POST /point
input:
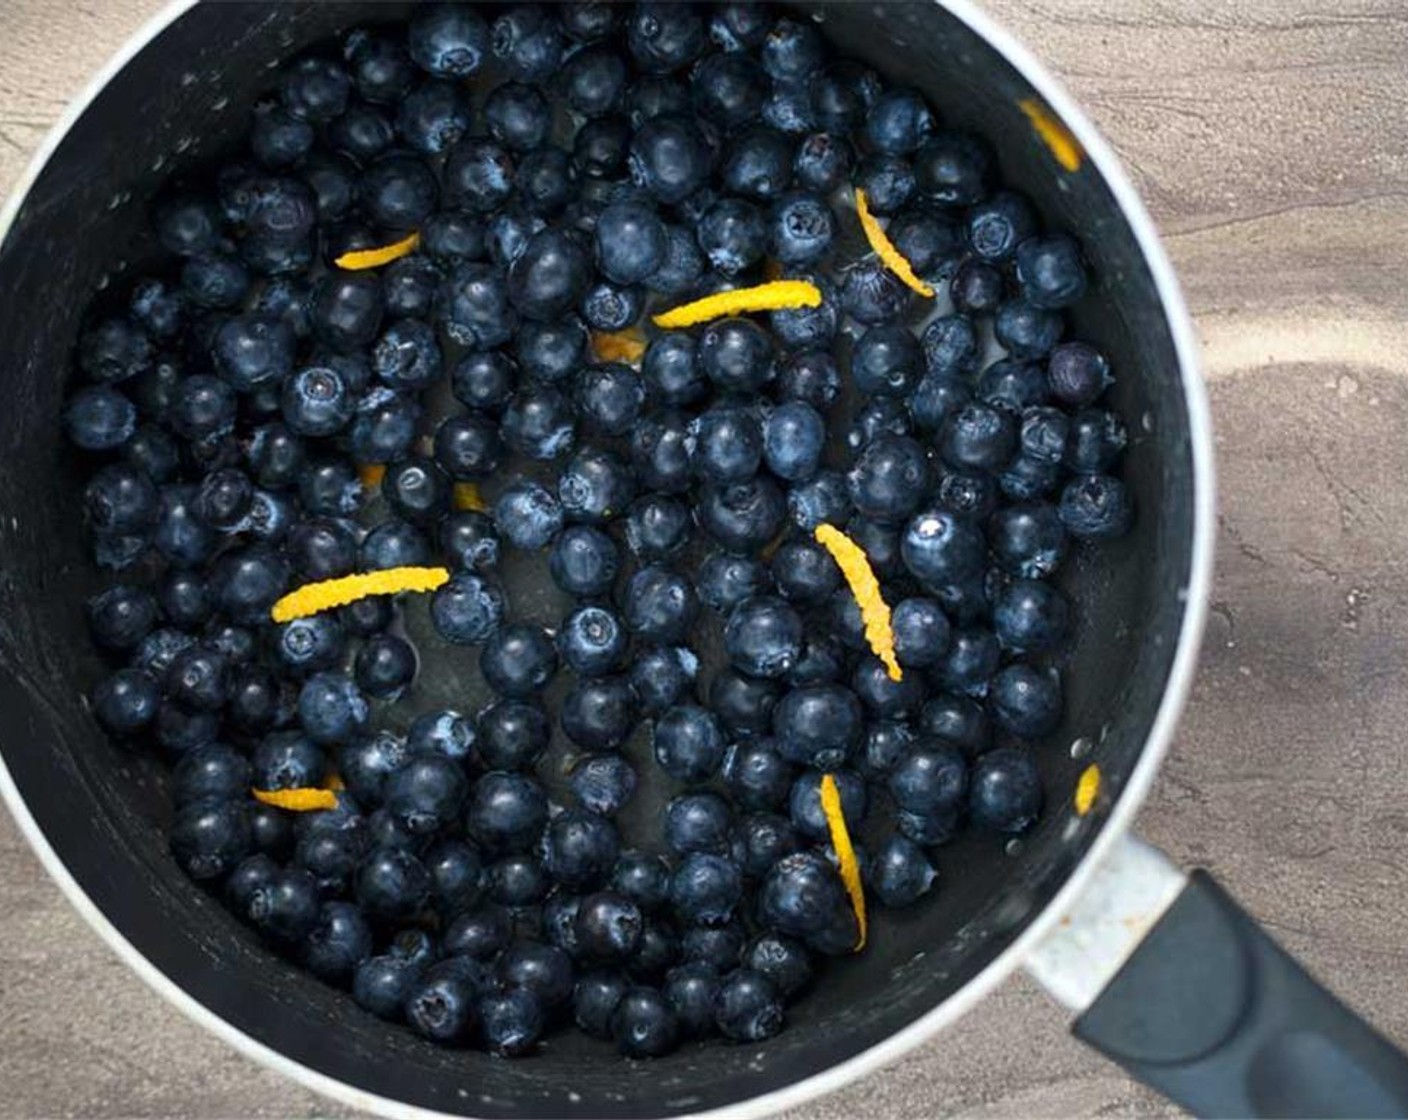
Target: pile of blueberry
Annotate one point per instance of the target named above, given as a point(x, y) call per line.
point(571, 170)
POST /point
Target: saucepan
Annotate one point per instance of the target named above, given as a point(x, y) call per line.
point(1159, 969)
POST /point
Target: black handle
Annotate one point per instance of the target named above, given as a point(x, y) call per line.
point(1216, 1016)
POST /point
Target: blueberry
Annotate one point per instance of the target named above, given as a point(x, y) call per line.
point(663, 677)
point(921, 632)
point(426, 793)
point(158, 308)
point(442, 1005)
point(409, 286)
point(394, 544)
point(600, 146)
point(938, 548)
point(870, 293)
point(978, 435)
point(306, 645)
point(888, 182)
point(727, 443)
point(689, 743)
point(512, 734)
point(518, 881)
point(608, 927)
point(729, 89)
point(931, 243)
point(644, 1024)
point(392, 883)
point(890, 479)
point(368, 616)
point(881, 694)
point(474, 306)
point(433, 117)
point(758, 165)
point(285, 908)
point(900, 873)
point(398, 192)
point(877, 417)
point(187, 226)
point(757, 776)
point(743, 704)
point(595, 998)
point(153, 451)
point(332, 179)
point(528, 515)
point(630, 242)
point(818, 725)
point(600, 713)
point(669, 158)
point(898, 122)
point(823, 162)
point(954, 169)
point(381, 984)
point(885, 744)
point(1026, 701)
point(763, 637)
point(518, 116)
point(932, 778)
point(211, 772)
point(121, 616)
point(705, 888)
point(733, 234)
point(467, 446)
point(698, 822)
point(210, 837)
point(385, 666)
point(1078, 373)
point(593, 641)
point(379, 67)
point(1027, 478)
point(365, 763)
point(691, 989)
point(747, 1007)
point(804, 802)
point(643, 879)
point(480, 934)
point(511, 1023)
point(842, 93)
point(610, 307)
point(970, 660)
point(1030, 616)
point(659, 949)
point(203, 408)
point(315, 89)
point(610, 397)
point(545, 183)
point(546, 351)
point(794, 437)
point(801, 328)
point(407, 355)
point(664, 36)
point(1095, 441)
point(822, 661)
point(1028, 540)
point(247, 582)
point(584, 561)
point(723, 581)
point(467, 609)
point(539, 423)
point(1025, 330)
point(1098, 506)
point(781, 960)
point(802, 897)
point(331, 709)
point(278, 138)
point(99, 418)
point(761, 840)
point(212, 280)
point(518, 660)
point(821, 499)
point(658, 526)
point(742, 516)
point(957, 720)
point(1005, 794)
point(682, 266)
point(416, 490)
point(659, 605)
point(528, 41)
point(603, 783)
point(448, 40)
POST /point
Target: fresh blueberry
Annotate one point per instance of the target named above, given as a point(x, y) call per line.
point(664, 36)
point(885, 744)
point(957, 720)
point(158, 308)
point(977, 288)
point(698, 822)
point(518, 660)
point(644, 1024)
point(506, 811)
point(212, 772)
point(545, 183)
point(1098, 506)
point(407, 355)
point(642, 878)
point(331, 709)
point(729, 89)
point(723, 581)
point(517, 881)
point(658, 526)
point(584, 561)
point(747, 1007)
point(921, 632)
point(416, 490)
point(596, 996)
point(900, 873)
point(385, 666)
point(670, 158)
point(888, 182)
point(881, 694)
point(579, 848)
point(467, 609)
point(121, 616)
point(368, 616)
point(682, 267)
point(691, 990)
point(595, 487)
point(938, 548)
point(528, 41)
point(951, 346)
point(743, 704)
point(630, 242)
point(518, 116)
point(511, 1022)
point(802, 897)
point(763, 637)
point(600, 146)
point(781, 960)
point(804, 802)
point(1051, 271)
point(970, 661)
point(823, 162)
point(999, 224)
point(381, 984)
point(794, 434)
point(761, 840)
point(978, 435)
point(186, 226)
point(512, 734)
point(742, 517)
point(442, 1004)
point(757, 776)
point(932, 778)
point(392, 883)
point(285, 908)
point(1095, 440)
point(898, 122)
point(801, 328)
point(593, 641)
point(890, 479)
point(705, 888)
point(758, 165)
point(365, 763)
point(467, 446)
point(247, 582)
point(1005, 794)
point(1030, 616)
point(842, 93)
point(953, 169)
point(306, 645)
point(179, 729)
point(818, 725)
point(394, 544)
point(213, 280)
point(277, 138)
point(870, 293)
point(603, 783)
point(1028, 540)
point(1026, 701)
point(1025, 330)
point(600, 713)
point(474, 306)
point(448, 40)
point(659, 605)
point(479, 934)
point(433, 117)
point(733, 234)
point(99, 418)
point(315, 89)
point(608, 927)
point(662, 677)
point(736, 355)
point(380, 69)
point(426, 793)
point(611, 307)
point(791, 50)
point(659, 949)
point(689, 743)
point(727, 443)
point(210, 837)
point(610, 396)
point(528, 515)
point(539, 423)
point(1078, 373)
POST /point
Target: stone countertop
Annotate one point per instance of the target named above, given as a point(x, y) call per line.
point(1268, 140)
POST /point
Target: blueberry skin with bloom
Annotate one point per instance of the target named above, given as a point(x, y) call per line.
point(1026, 701)
point(689, 743)
point(467, 609)
point(802, 897)
point(1005, 792)
point(1030, 616)
point(1097, 506)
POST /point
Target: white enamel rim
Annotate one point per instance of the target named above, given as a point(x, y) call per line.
point(1180, 676)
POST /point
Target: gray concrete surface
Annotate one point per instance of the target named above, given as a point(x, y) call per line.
point(1268, 137)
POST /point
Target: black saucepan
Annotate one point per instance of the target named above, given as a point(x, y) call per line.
point(1200, 1003)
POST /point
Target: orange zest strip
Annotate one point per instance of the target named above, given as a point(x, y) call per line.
point(371, 474)
point(885, 248)
point(466, 495)
point(298, 800)
point(874, 611)
point(1064, 147)
point(778, 295)
point(375, 258)
point(1087, 789)
point(845, 853)
point(621, 346)
point(326, 594)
